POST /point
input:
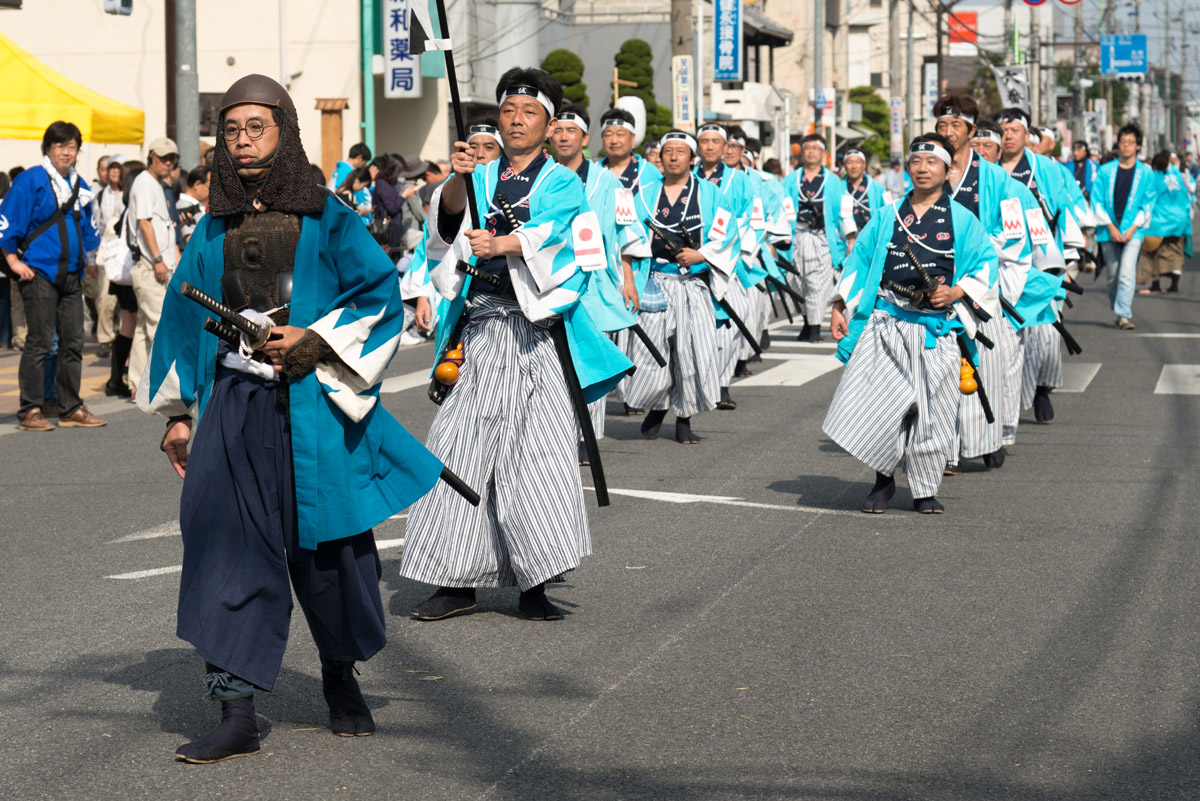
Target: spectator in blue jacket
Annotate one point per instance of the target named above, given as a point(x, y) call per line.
point(48, 237)
point(1083, 168)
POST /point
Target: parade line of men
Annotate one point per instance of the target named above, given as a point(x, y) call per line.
point(551, 282)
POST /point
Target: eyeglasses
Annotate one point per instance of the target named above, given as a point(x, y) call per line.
point(66, 147)
point(254, 130)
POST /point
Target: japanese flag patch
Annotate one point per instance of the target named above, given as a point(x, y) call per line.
point(720, 225)
point(758, 217)
point(589, 244)
point(789, 208)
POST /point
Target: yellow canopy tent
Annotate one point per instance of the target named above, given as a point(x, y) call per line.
point(32, 96)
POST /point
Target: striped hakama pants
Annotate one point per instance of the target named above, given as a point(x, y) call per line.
point(686, 334)
point(730, 343)
point(810, 251)
point(897, 402)
point(596, 410)
point(509, 431)
point(1042, 346)
point(760, 317)
point(1000, 374)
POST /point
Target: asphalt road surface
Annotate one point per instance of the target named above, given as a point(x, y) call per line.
point(742, 631)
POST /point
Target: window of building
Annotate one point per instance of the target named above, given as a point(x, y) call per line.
point(876, 80)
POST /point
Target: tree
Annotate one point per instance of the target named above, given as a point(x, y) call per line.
point(567, 69)
point(634, 63)
point(876, 118)
point(1120, 89)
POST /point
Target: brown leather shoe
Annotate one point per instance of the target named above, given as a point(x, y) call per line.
point(81, 418)
point(36, 421)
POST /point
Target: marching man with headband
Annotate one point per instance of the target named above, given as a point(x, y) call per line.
point(531, 358)
point(778, 230)
point(736, 191)
point(1000, 204)
point(693, 251)
point(1042, 371)
point(611, 298)
point(484, 137)
point(867, 194)
point(986, 141)
point(293, 459)
point(822, 220)
point(765, 193)
point(899, 320)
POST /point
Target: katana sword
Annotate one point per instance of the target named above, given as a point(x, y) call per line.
point(256, 334)
point(675, 248)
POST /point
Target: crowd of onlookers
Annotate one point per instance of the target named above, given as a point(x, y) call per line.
point(93, 256)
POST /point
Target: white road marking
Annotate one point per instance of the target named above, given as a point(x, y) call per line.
point(797, 369)
point(1169, 336)
point(399, 383)
point(1179, 379)
point(822, 345)
point(141, 574)
point(396, 543)
point(165, 530)
point(723, 500)
point(1077, 375)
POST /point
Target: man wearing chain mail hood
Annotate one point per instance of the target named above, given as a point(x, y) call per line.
point(293, 460)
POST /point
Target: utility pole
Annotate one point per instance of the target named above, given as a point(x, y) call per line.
point(1076, 89)
point(700, 82)
point(1009, 45)
point(911, 83)
point(187, 85)
point(818, 63)
point(895, 55)
point(1108, 81)
point(1035, 75)
point(367, 13)
point(1169, 121)
point(1144, 89)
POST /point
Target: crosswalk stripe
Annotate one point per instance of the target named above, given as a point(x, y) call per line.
point(1179, 379)
point(722, 500)
point(1077, 375)
point(141, 574)
point(399, 383)
point(797, 369)
point(1169, 336)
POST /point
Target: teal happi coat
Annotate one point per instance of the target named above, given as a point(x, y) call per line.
point(974, 266)
point(546, 278)
point(355, 465)
point(838, 216)
point(603, 298)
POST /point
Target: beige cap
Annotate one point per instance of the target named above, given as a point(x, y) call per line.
point(163, 146)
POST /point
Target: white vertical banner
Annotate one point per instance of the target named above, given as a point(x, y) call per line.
point(931, 88)
point(683, 85)
point(896, 119)
point(402, 70)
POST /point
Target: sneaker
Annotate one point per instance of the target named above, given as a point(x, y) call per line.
point(35, 421)
point(81, 418)
point(1125, 324)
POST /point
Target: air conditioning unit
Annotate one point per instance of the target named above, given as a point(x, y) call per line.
point(122, 7)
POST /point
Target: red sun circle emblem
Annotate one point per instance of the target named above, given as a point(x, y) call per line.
point(585, 234)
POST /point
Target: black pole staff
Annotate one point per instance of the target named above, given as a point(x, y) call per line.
point(416, 46)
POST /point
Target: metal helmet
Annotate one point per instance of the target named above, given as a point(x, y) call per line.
point(260, 90)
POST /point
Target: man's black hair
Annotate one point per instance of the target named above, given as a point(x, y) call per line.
point(754, 145)
point(936, 138)
point(197, 175)
point(535, 78)
point(732, 131)
point(1161, 161)
point(360, 150)
point(1079, 143)
point(486, 118)
point(59, 133)
point(812, 137)
point(575, 108)
point(617, 114)
point(955, 103)
point(987, 124)
point(1131, 128)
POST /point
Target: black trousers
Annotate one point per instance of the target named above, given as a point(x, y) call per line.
point(46, 307)
point(240, 546)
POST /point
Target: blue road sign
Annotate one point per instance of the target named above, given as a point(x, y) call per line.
point(1123, 54)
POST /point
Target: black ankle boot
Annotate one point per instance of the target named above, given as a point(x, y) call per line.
point(726, 402)
point(1043, 410)
point(1174, 287)
point(446, 602)
point(235, 736)
point(534, 605)
point(995, 459)
point(120, 354)
point(683, 432)
point(653, 422)
point(877, 502)
point(349, 715)
point(805, 333)
point(740, 370)
point(928, 506)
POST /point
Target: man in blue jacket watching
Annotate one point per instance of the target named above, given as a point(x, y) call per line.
point(47, 237)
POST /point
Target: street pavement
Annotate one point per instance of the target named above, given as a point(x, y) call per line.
point(742, 631)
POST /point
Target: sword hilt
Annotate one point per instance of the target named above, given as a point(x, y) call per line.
point(256, 333)
point(507, 209)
